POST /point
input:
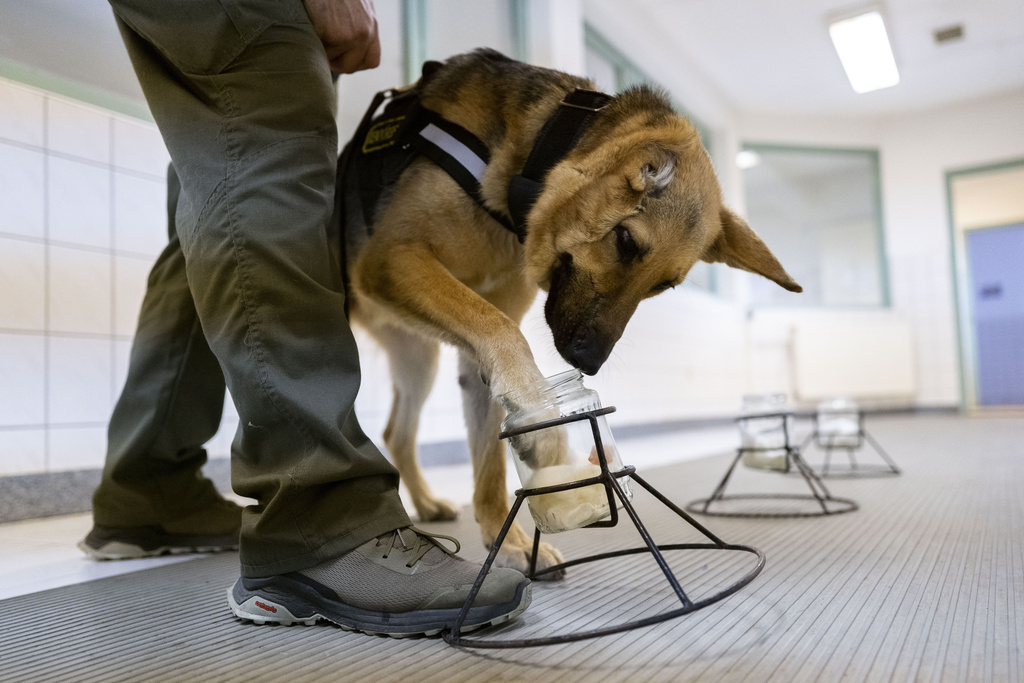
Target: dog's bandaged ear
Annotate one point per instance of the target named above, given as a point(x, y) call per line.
point(738, 246)
point(656, 175)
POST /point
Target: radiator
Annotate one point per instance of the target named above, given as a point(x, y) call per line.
point(867, 359)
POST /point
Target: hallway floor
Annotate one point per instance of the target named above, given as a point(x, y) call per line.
point(924, 582)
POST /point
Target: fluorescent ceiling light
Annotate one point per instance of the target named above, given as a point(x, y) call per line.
point(747, 158)
point(863, 48)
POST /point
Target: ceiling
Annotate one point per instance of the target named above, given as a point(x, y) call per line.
point(776, 56)
point(762, 55)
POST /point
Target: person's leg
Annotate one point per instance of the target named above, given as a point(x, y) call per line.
point(243, 97)
point(152, 497)
point(249, 123)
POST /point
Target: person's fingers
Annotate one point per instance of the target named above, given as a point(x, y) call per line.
point(372, 58)
point(354, 54)
point(349, 59)
point(349, 32)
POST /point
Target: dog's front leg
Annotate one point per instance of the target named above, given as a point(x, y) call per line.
point(408, 281)
point(490, 496)
point(417, 290)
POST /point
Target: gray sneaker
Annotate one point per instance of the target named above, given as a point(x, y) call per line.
point(402, 583)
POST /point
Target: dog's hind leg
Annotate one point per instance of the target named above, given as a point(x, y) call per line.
point(490, 495)
point(413, 362)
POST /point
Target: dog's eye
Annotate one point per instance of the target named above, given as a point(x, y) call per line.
point(627, 247)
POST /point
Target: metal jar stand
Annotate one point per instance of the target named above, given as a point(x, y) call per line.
point(828, 443)
point(828, 504)
point(614, 490)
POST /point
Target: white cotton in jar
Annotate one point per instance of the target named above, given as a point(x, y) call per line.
point(569, 509)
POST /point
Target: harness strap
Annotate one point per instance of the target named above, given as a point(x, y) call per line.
point(407, 125)
point(459, 153)
point(556, 139)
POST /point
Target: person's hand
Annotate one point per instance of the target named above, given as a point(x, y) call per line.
point(348, 30)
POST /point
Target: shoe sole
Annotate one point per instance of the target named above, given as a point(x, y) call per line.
point(262, 610)
point(118, 550)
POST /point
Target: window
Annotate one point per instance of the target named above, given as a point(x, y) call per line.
point(613, 72)
point(819, 211)
point(443, 28)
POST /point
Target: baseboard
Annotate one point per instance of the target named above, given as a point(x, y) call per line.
point(49, 494)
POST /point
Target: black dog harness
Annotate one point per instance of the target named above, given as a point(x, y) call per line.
point(384, 146)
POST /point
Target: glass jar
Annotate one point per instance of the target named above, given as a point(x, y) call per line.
point(765, 422)
point(561, 454)
point(838, 423)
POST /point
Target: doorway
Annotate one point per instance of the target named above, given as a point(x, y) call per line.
point(995, 264)
point(987, 219)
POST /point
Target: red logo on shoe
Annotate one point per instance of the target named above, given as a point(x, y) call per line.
point(266, 607)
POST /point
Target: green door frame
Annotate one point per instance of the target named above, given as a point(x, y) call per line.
point(966, 347)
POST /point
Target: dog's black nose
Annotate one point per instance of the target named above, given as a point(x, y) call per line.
point(589, 353)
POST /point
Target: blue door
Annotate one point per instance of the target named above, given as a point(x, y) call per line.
point(995, 257)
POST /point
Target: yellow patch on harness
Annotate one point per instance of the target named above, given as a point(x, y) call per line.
point(382, 134)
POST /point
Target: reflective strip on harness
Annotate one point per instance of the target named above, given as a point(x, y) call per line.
point(462, 155)
point(384, 146)
point(455, 149)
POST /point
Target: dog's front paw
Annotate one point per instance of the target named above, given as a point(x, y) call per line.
point(542, 448)
point(518, 557)
point(516, 550)
point(436, 510)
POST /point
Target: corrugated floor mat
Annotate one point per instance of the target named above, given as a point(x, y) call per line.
point(924, 582)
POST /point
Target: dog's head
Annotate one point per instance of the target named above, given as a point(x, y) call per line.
point(624, 217)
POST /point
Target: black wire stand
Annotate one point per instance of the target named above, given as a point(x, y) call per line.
point(826, 503)
point(832, 442)
point(614, 490)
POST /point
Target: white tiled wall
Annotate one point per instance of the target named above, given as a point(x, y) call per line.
point(922, 292)
point(23, 369)
point(21, 176)
point(82, 218)
point(82, 205)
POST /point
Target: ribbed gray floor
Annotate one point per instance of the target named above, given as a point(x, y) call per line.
point(924, 582)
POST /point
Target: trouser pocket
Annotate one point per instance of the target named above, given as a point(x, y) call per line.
point(205, 36)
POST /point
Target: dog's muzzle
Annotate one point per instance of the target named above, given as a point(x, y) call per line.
point(589, 351)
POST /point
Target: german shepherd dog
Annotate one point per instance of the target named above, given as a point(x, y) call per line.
point(622, 217)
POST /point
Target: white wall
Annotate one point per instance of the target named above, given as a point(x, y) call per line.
point(916, 149)
point(83, 218)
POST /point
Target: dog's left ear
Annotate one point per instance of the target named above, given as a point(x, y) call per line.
point(738, 246)
point(655, 174)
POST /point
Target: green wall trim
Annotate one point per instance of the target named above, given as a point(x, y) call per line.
point(414, 39)
point(519, 11)
point(986, 168)
point(58, 85)
point(822, 149)
point(883, 255)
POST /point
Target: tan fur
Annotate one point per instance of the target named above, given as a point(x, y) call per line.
point(438, 269)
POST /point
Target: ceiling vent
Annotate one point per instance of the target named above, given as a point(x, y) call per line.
point(949, 34)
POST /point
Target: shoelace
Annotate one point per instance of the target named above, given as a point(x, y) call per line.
point(424, 543)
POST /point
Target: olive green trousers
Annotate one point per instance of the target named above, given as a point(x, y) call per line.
point(248, 292)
